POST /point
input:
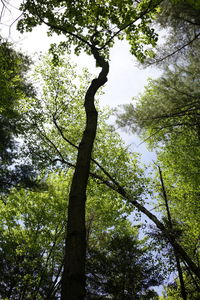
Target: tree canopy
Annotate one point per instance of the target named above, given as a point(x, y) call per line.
point(89, 24)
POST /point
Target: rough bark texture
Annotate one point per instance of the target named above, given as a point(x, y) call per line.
point(73, 278)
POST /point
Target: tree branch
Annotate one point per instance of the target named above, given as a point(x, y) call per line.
point(174, 52)
point(92, 159)
point(62, 29)
point(131, 23)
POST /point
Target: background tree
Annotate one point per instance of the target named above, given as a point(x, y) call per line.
point(167, 115)
point(14, 86)
point(172, 291)
point(181, 19)
point(121, 267)
point(32, 237)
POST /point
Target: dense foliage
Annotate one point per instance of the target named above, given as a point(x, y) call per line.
point(14, 86)
point(181, 19)
point(89, 23)
point(32, 244)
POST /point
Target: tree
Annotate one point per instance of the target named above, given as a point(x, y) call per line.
point(32, 234)
point(121, 267)
point(92, 27)
point(130, 197)
point(14, 87)
point(56, 125)
point(174, 99)
point(167, 115)
point(172, 291)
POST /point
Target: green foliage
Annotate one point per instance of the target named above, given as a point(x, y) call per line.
point(169, 105)
point(121, 266)
point(14, 87)
point(13, 82)
point(33, 221)
point(32, 233)
point(169, 117)
point(172, 291)
point(167, 114)
point(87, 23)
point(181, 19)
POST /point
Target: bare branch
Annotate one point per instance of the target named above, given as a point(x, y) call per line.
point(4, 8)
point(189, 21)
point(10, 26)
point(62, 134)
point(174, 52)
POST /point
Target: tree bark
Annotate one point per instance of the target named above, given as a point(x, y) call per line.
point(73, 277)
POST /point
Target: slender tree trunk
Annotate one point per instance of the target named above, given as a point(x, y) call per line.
point(178, 264)
point(73, 278)
point(180, 275)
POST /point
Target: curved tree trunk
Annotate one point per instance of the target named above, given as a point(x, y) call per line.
point(73, 278)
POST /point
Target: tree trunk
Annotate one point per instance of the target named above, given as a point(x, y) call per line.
point(178, 263)
point(73, 278)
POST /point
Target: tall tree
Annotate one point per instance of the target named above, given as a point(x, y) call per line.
point(91, 26)
point(174, 99)
point(167, 114)
point(55, 133)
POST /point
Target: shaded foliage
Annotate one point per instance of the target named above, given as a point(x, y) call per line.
point(14, 86)
point(181, 19)
point(122, 268)
point(32, 233)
